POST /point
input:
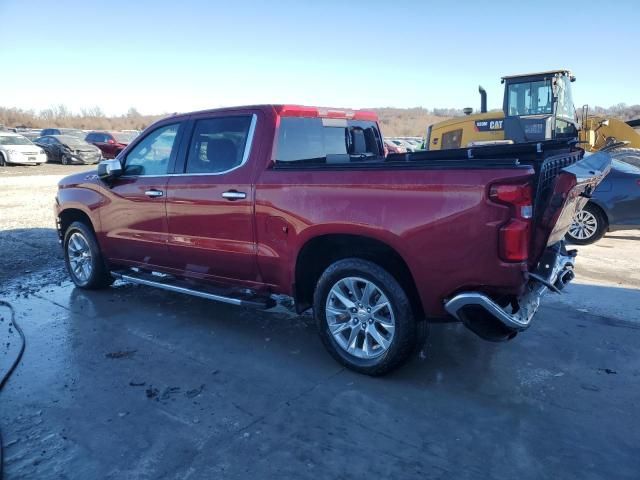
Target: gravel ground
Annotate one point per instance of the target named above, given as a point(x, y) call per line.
point(46, 169)
point(28, 238)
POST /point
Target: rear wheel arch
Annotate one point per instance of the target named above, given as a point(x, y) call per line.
point(320, 252)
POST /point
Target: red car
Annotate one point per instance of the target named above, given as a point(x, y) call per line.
point(111, 143)
point(393, 147)
point(241, 204)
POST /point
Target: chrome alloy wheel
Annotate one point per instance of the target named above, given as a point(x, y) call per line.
point(360, 317)
point(79, 254)
point(584, 225)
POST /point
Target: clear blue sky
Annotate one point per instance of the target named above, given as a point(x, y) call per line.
point(160, 56)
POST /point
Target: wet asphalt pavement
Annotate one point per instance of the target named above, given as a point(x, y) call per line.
point(133, 382)
point(137, 383)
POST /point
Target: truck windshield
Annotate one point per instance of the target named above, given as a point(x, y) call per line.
point(327, 140)
point(530, 98)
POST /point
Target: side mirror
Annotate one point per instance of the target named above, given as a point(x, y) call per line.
point(109, 169)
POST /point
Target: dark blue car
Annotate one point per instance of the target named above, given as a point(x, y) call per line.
point(615, 205)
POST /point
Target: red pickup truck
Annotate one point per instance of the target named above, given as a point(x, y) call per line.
point(244, 205)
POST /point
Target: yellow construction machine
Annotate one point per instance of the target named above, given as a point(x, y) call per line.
point(536, 107)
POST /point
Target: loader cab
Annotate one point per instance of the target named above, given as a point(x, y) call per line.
point(539, 106)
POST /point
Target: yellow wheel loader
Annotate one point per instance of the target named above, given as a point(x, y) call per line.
point(536, 107)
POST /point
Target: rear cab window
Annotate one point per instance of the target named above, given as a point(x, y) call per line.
point(327, 141)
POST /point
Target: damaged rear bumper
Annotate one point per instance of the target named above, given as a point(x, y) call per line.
point(489, 320)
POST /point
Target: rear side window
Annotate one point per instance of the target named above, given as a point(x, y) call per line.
point(327, 141)
point(218, 144)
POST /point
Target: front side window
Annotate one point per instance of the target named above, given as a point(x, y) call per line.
point(151, 156)
point(530, 98)
point(218, 144)
point(327, 140)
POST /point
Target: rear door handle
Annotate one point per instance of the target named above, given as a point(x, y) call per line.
point(154, 193)
point(234, 195)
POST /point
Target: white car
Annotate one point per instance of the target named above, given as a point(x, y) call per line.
point(16, 149)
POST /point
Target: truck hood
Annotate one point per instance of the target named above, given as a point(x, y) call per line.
point(90, 176)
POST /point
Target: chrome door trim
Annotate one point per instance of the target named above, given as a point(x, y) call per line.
point(245, 157)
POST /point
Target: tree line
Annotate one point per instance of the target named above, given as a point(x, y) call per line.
point(393, 121)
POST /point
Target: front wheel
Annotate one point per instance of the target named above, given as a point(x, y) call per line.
point(83, 258)
point(588, 226)
point(3, 163)
point(364, 317)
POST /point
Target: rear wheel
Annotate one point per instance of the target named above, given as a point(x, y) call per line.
point(589, 226)
point(3, 163)
point(83, 258)
point(364, 317)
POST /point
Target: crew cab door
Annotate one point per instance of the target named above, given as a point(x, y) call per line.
point(134, 222)
point(210, 200)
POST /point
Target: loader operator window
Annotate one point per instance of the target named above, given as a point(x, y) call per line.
point(530, 98)
point(565, 100)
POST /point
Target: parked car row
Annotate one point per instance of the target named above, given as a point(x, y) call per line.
point(61, 145)
point(403, 144)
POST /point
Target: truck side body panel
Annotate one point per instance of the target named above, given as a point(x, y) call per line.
point(440, 222)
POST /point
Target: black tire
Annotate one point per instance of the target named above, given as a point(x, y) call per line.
point(99, 276)
point(407, 332)
point(64, 160)
point(3, 163)
point(601, 226)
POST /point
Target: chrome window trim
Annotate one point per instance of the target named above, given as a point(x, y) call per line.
point(245, 156)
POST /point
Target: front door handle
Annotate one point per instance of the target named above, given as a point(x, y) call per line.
point(234, 195)
point(153, 193)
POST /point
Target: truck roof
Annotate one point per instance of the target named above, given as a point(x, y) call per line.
point(289, 110)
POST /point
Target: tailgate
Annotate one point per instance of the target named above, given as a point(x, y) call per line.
point(564, 187)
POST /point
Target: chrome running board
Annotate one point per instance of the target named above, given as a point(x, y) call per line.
point(166, 282)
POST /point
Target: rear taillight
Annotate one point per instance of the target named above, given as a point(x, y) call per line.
point(515, 234)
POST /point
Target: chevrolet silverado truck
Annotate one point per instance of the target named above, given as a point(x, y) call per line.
point(250, 204)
